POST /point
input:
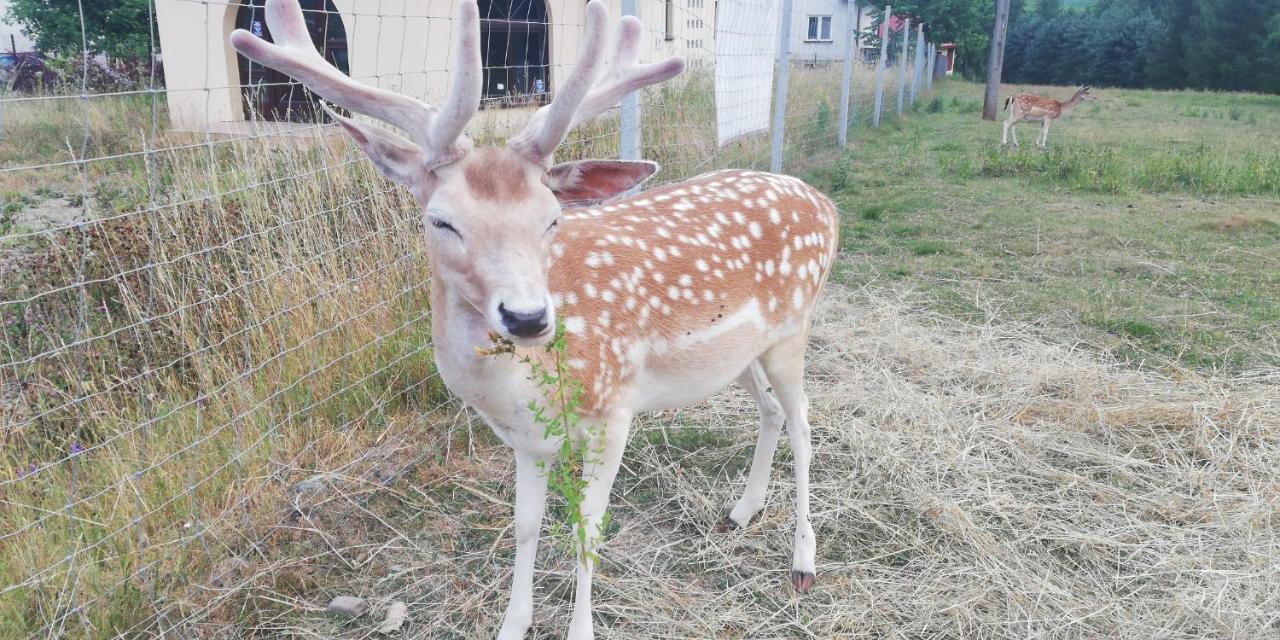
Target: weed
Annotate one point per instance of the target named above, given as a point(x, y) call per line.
point(1132, 328)
point(927, 247)
point(872, 212)
point(561, 421)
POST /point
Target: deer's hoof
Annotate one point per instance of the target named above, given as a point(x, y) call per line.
point(802, 581)
point(725, 525)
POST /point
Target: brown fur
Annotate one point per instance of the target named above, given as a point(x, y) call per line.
point(496, 174)
point(1034, 108)
point(640, 270)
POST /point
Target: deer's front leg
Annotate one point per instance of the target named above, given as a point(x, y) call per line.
point(531, 500)
point(604, 456)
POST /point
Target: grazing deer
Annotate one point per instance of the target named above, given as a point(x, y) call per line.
point(1034, 108)
point(667, 296)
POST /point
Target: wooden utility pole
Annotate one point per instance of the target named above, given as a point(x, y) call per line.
point(995, 64)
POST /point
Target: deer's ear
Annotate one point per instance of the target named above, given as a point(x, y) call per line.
point(586, 182)
point(399, 160)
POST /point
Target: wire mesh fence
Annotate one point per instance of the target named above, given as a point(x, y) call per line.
point(209, 295)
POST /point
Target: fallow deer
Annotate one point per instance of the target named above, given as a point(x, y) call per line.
point(667, 296)
point(1034, 108)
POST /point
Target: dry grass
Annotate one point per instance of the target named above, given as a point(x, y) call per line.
point(969, 481)
point(237, 318)
point(245, 325)
point(211, 320)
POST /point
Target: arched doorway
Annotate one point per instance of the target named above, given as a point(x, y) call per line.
point(271, 95)
point(515, 48)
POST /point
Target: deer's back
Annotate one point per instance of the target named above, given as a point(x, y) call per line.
point(718, 267)
point(1036, 106)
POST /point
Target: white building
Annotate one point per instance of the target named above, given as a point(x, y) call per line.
point(400, 45)
point(820, 29)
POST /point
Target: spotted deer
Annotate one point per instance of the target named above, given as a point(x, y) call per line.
point(666, 297)
point(1034, 108)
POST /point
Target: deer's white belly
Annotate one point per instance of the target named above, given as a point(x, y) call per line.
point(692, 367)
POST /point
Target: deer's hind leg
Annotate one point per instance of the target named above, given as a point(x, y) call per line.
point(784, 366)
point(753, 379)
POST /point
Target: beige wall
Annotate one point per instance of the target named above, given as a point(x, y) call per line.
point(401, 45)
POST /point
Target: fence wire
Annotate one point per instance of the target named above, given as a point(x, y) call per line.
point(208, 295)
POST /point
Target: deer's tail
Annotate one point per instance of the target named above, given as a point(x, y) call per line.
point(1007, 102)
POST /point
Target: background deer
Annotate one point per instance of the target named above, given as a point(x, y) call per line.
point(667, 297)
point(1034, 108)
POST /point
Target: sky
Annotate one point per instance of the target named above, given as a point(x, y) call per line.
point(6, 29)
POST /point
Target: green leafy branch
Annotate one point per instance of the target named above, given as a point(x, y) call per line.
point(561, 419)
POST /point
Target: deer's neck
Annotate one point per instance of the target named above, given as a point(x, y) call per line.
point(1070, 105)
point(497, 386)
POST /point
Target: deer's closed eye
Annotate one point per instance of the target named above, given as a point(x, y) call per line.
point(441, 224)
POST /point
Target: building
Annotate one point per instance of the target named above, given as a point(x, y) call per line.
point(948, 52)
point(820, 28)
point(400, 45)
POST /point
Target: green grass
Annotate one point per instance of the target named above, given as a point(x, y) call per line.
point(1142, 228)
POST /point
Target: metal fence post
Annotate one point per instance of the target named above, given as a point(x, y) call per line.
point(928, 53)
point(884, 50)
point(902, 65)
point(780, 87)
point(629, 119)
point(855, 106)
point(846, 76)
point(933, 61)
point(917, 69)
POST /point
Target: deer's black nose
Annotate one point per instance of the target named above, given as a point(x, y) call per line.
point(524, 325)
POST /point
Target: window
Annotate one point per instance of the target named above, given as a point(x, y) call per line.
point(819, 29)
point(514, 51)
point(273, 95)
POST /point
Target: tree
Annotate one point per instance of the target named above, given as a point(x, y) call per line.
point(1231, 45)
point(1070, 58)
point(120, 28)
point(1228, 42)
point(1049, 9)
point(967, 23)
point(999, 31)
point(1165, 65)
point(1270, 67)
point(1119, 44)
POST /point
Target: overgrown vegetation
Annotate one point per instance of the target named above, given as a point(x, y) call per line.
point(170, 373)
point(1140, 230)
